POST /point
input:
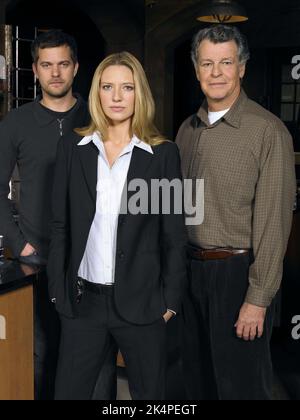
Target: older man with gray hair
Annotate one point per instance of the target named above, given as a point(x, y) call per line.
point(245, 156)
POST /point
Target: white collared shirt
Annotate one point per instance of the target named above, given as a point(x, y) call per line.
point(98, 262)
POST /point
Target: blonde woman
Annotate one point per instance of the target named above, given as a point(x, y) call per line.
point(115, 276)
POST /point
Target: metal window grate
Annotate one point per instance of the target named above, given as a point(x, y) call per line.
point(21, 86)
point(27, 84)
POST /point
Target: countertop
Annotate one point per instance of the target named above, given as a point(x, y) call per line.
point(14, 275)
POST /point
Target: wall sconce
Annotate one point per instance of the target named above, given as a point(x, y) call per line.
point(150, 3)
point(222, 11)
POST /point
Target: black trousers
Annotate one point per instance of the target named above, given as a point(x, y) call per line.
point(216, 364)
point(86, 340)
point(46, 340)
point(46, 348)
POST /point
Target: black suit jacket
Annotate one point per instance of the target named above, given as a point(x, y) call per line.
point(150, 266)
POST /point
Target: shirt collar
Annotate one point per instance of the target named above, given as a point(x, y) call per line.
point(43, 117)
point(232, 117)
point(142, 145)
point(135, 142)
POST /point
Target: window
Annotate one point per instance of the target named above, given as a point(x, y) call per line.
point(290, 95)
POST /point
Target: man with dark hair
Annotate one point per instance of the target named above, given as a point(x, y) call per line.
point(245, 156)
point(52, 39)
point(28, 138)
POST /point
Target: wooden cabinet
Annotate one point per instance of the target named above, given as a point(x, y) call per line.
point(16, 345)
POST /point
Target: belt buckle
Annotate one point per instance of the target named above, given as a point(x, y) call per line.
point(202, 253)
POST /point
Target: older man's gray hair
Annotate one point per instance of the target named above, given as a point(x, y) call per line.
point(218, 34)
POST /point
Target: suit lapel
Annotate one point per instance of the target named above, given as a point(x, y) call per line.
point(89, 162)
point(139, 164)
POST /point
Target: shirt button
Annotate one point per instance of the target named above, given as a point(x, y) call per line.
point(121, 255)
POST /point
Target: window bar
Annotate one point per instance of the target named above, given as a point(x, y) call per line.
point(34, 77)
point(17, 66)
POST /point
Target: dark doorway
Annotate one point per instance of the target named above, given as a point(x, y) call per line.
point(187, 93)
point(61, 14)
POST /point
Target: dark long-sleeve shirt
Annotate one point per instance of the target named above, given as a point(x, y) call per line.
point(247, 162)
point(28, 137)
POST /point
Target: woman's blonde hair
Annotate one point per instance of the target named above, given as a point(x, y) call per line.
point(143, 119)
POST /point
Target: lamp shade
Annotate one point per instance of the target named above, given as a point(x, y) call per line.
point(222, 11)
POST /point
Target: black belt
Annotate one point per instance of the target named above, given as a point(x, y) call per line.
point(98, 289)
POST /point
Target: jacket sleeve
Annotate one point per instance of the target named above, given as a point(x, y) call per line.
point(173, 234)
point(57, 260)
point(13, 237)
